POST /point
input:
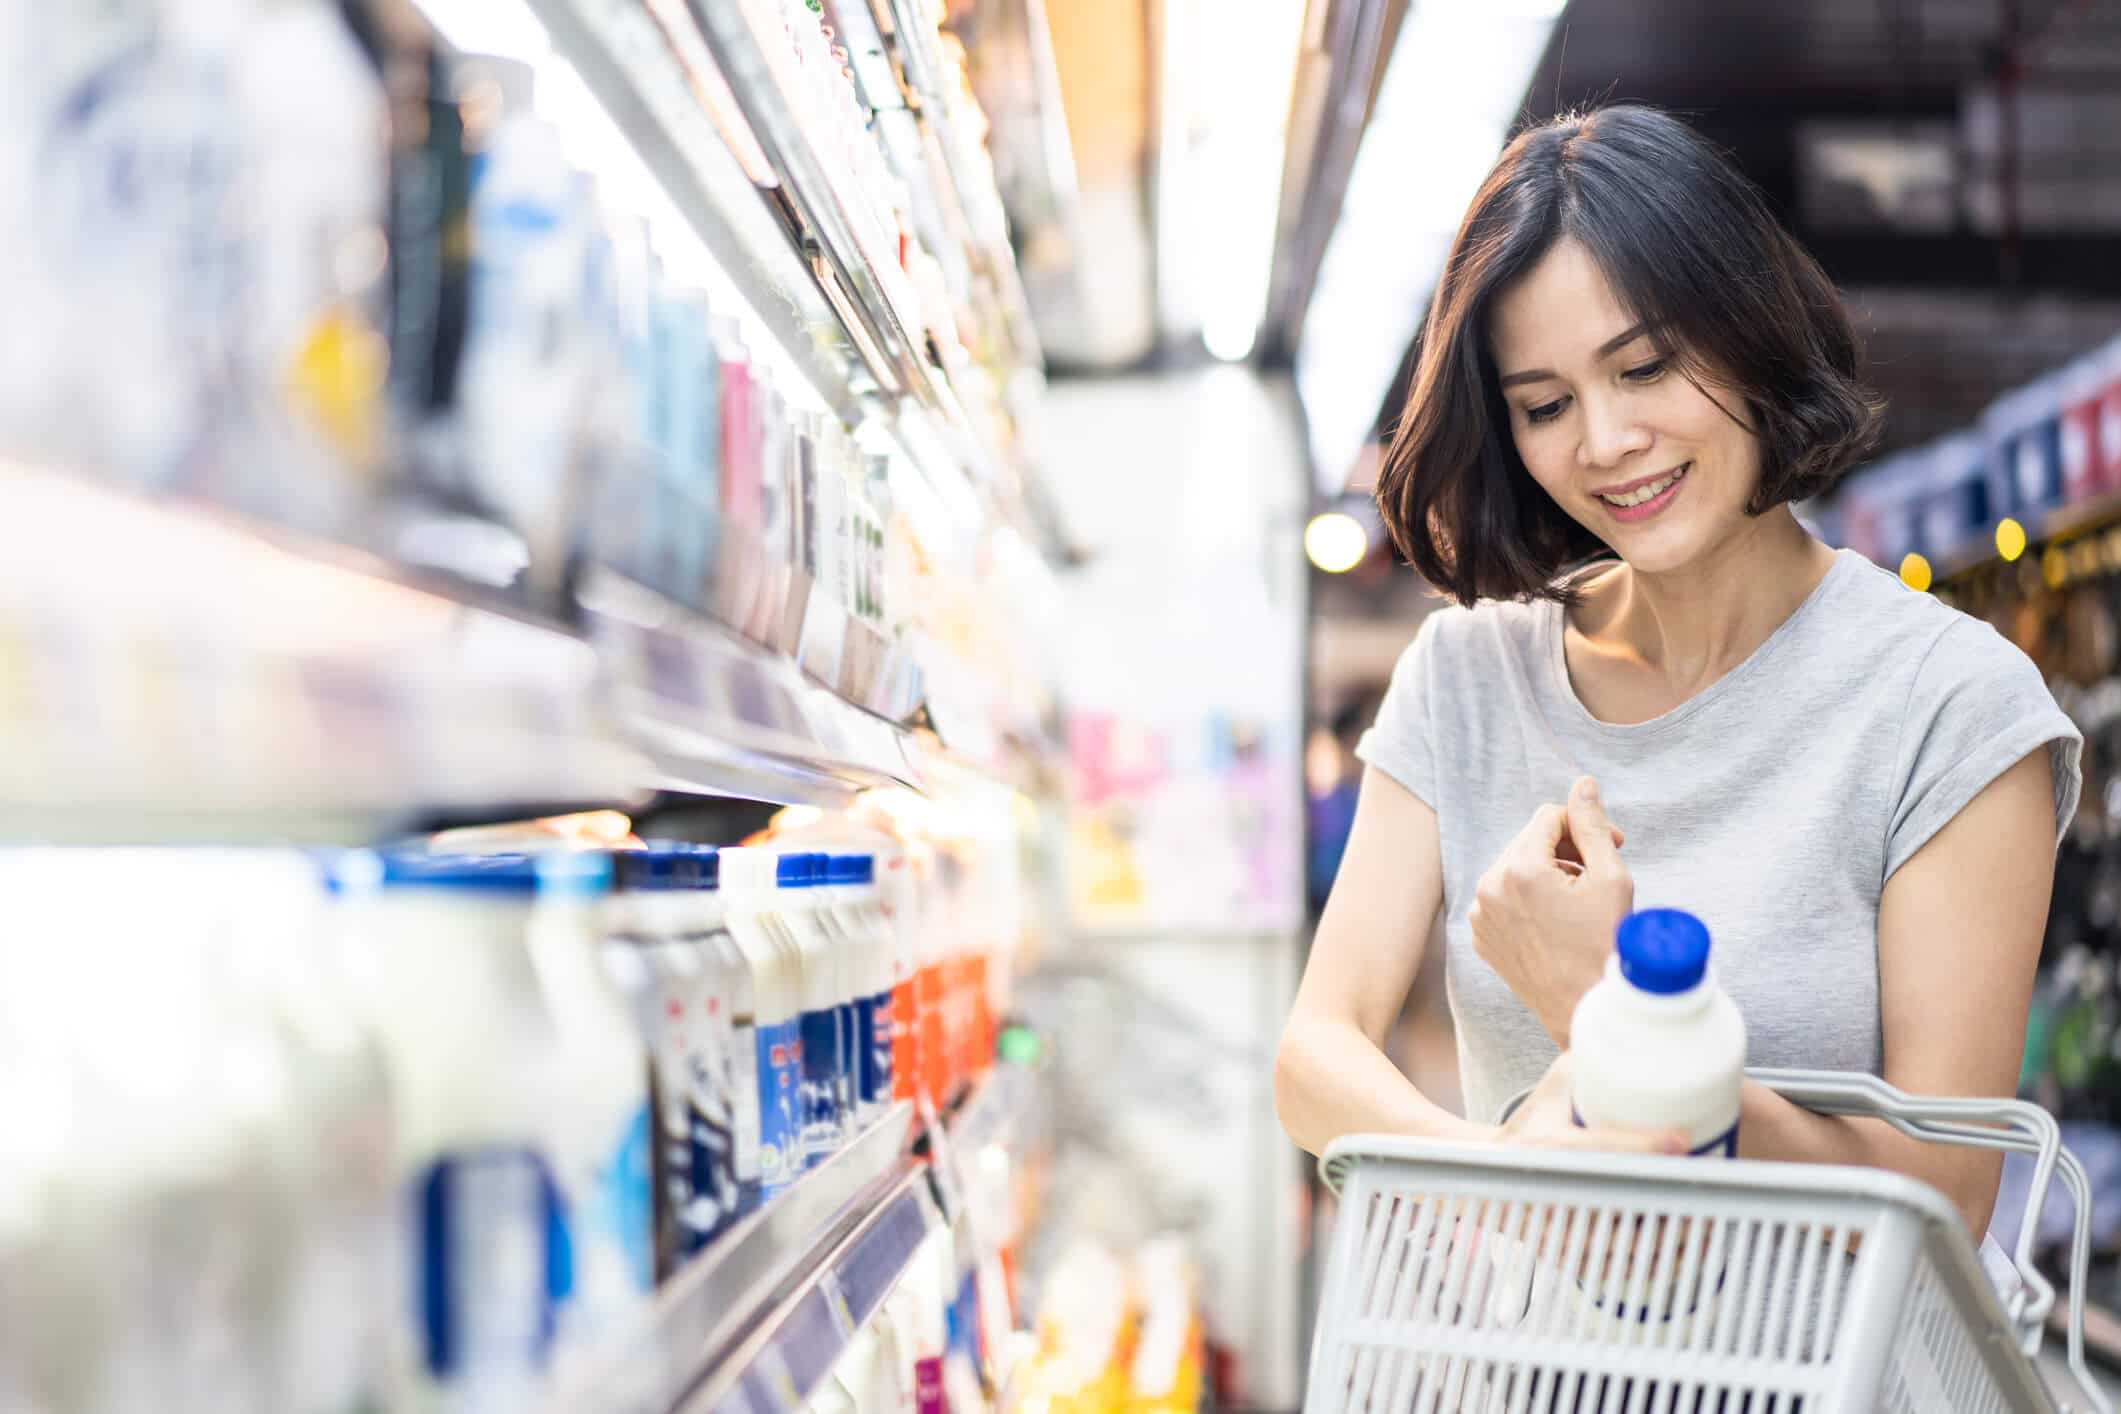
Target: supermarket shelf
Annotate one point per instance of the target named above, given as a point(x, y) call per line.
point(634, 67)
point(716, 713)
point(2062, 523)
point(170, 671)
point(989, 1115)
point(749, 1322)
point(890, 338)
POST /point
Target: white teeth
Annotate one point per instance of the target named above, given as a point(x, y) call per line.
point(1642, 495)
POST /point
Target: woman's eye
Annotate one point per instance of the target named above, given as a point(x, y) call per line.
point(1648, 372)
point(1545, 412)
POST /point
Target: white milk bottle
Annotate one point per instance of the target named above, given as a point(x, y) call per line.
point(769, 1146)
point(710, 1100)
point(824, 1119)
point(1657, 1044)
point(859, 911)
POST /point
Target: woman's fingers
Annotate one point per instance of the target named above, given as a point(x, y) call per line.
point(1590, 830)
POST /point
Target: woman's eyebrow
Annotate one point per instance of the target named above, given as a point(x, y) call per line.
point(1605, 350)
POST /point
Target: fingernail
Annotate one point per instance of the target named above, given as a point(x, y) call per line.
point(1590, 786)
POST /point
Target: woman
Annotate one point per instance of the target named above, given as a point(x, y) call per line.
point(1857, 789)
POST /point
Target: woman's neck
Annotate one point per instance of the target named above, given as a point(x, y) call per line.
point(1690, 627)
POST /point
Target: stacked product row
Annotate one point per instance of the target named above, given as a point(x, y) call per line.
point(417, 1130)
point(2049, 446)
point(294, 256)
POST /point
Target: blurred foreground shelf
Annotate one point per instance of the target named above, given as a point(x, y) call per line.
point(757, 1322)
point(171, 673)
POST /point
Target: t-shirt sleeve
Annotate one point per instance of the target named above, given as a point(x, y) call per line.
point(1977, 708)
point(1401, 742)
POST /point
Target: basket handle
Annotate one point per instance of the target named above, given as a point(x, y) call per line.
point(2012, 1126)
point(2008, 1125)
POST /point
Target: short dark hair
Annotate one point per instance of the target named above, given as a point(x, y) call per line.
point(1693, 251)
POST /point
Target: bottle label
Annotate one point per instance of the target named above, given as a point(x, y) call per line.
point(821, 1113)
point(778, 1131)
point(849, 1073)
point(709, 1191)
point(744, 1093)
point(495, 1263)
point(928, 1386)
point(624, 1206)
point(874, 1043)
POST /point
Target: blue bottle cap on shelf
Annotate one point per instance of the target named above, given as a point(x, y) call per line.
point(795, 871)
point(561, 872)
point(1663, 950)
point(708, 860)
point(853, 869)
point(574, 871)
point(658, 867)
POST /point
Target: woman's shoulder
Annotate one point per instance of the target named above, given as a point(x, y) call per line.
point(1460, 638)
point(1881, 619)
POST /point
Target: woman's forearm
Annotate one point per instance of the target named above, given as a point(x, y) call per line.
point(1330, 1079)
point(1771, 1127)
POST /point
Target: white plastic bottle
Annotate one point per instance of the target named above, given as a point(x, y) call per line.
point(1658, 1045)
point(824, 1119)
point(769, 1146)
point(859, 911)
point(709, 959)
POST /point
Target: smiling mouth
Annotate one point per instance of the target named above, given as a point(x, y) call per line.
point(1644, 492)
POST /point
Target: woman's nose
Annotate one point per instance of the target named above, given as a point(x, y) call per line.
point(1611, 434)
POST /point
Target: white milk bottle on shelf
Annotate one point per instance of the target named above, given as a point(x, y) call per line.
point(836, 914)
point(704, 957)
point(472, 1063)
point(651, 981)
point(748, 882)
point(861, 917)
point(596, 1124)
point(1657, 1044)
point(823, 1113)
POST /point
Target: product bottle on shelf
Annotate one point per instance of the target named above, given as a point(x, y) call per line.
point(854, 887)
point(692, 954)
point(521, 1131)
point(933, 1001)
point(748, 885)
point(824, 1115)
point(630, 936)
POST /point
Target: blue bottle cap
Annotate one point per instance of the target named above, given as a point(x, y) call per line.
point(651, 870)
point(795, 871)
point(1663, 950)
point(853, 869)
point(561, 872)
point(708, 859)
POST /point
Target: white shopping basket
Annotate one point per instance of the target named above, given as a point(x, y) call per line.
point(1533, 1282)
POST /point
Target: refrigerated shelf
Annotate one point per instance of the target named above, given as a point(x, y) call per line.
point(759, 1318)
point(173, 671)
point(717, 713)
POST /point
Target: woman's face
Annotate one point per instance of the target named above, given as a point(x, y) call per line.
point(1624, 442)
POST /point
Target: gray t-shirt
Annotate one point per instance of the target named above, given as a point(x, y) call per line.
point(1774, 804)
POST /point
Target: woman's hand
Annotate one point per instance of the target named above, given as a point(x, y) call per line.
point(1547, 1120)
point(1543, 915)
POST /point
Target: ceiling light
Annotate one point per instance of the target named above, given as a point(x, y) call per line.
point(1452, 89)
point(1227, 79)
point(1336, 542)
